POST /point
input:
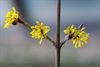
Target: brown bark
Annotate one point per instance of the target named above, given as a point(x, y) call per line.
point(58, 57)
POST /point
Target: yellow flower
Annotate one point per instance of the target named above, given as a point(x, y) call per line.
point(11, 17)
point(70, 29)
point(78, 35)
point(39, 31)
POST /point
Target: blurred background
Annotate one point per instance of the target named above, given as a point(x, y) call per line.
point(18, 49)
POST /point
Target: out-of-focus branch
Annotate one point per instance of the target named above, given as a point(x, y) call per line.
point(65, 40)
point(29, 26)
point(24, 23)
point(54, 44)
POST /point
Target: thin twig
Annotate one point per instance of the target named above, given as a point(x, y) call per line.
point(29, 26)
point(51, 40)
point(24, 23)
point(63, 42)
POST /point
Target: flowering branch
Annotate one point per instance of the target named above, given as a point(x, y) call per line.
point(29, 26)
point(39, 31)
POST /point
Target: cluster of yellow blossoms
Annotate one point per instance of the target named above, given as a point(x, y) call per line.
point(11, 17)
point(39, 31)
point(78, 35)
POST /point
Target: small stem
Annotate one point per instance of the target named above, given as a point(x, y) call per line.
point(63, 42)
point(51, 40)
point(24, 23)
point(67, 37)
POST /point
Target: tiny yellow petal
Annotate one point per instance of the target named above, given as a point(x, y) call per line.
point(32, 27)
point(13, 8)
point(79, 44)
point(83, 28)
point(41, 41)
point(72, 26)
point(75, 46)
point(37, 22)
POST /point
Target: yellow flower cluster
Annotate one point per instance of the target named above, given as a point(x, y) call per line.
point(11, 17)
point(70, 30)
point(39, 31)
point(78, 35)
